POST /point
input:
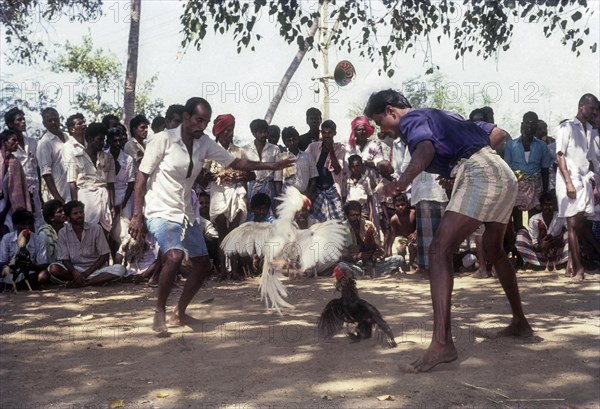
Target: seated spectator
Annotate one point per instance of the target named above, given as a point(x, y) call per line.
point(54, 216)
point(23, 258)
point(363, 246)
point(402, 238)
point(140, 259)
point(358, 187)
point(545, 244)
point(83, 252)
point(260, 206)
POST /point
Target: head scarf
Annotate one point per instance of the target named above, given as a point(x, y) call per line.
point(222, 122)
point(358, 121)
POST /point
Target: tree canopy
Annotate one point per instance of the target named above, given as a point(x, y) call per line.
point(24, 20)
point(380, 29)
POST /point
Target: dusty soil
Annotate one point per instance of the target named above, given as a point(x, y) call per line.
point(93, 348)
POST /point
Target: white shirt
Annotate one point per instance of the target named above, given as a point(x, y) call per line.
point(29, 162)
point(71, 149)
point(270, 153)
point(125, 175)
point(426, 187)
point(555, 229)
point(50, 159)
point(36, 246)
point(301, 172)
point(166, 161)
point(82, 253)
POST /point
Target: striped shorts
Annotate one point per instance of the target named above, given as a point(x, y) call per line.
point(485, 188)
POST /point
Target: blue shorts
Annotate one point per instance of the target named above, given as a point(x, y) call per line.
point(169, 235)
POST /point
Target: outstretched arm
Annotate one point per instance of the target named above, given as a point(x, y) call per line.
point(250, 165)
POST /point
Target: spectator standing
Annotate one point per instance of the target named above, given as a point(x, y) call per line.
point(50, 157)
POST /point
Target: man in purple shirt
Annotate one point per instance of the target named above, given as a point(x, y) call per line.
point(484, 190)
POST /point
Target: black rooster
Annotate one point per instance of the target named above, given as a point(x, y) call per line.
point(352, 309)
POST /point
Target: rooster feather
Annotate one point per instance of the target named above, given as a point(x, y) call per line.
point(321, 243)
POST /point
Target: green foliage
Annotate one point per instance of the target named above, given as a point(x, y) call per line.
point(100, 77)
point(386, 27)
point(21, 19)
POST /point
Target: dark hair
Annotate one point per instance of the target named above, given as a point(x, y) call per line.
point(5, 134)
point(112, 132)
point(49, 209)
point(488, 113)
point(260, 200)
point(157, 122)
point(401, 197)
point(137, 121)
point(72, 118)
point(354, 158)
point(548, 196)
point(192, 103)
point(11, 115)
point(352, 205)
point(175, 109)
point(530, 116)
point(69, 206)
point(22, 216)
point(329, 124)
point(110, 117)
point(94, 129)
point(204, 193)
point(379, 100)
point(587, 99)
point(259, 125)
point(477, 115)
point(289, 132)
point(48, 110)
point(313, 112)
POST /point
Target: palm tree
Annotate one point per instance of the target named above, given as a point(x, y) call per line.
point(132, 61)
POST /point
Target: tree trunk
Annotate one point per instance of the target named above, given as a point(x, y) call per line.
point(132, 62)
point(289, 73)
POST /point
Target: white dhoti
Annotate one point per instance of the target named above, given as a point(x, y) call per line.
point(97, 207)
point(584, 199)
point(227, 200)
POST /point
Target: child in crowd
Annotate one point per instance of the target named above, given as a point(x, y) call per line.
point(401, 238)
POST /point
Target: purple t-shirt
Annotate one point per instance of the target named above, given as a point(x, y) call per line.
point(453, 137)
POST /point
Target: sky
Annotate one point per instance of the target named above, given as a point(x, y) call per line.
point(535, 74)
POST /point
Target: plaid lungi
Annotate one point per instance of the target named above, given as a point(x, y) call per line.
point(524, 245)
point(529, 191)
point(327, 205)
point(429, 217)
point(485, 187)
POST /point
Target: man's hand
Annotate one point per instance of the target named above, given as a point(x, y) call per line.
point(392, 189)
point(282, 164)
point(78, 278)
point(571, 192)
point(136, 227)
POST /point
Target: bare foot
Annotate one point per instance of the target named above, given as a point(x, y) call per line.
point(516, 329)
point(159, 324)
point(180, 319)
point(569, 273)
point(434, 356)
point(579, 276)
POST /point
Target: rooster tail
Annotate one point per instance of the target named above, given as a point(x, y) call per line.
point(272, 289)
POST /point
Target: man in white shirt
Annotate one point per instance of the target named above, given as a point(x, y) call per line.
point(50, 157)
point(171, 163)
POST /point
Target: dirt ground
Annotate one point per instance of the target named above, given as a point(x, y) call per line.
point(93, 348)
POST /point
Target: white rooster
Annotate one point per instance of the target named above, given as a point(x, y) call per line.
point(319, 244)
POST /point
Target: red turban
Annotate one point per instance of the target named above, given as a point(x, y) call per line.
point(360, 121)
point(222, 122)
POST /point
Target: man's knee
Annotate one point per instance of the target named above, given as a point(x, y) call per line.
point(174, 256)
point(438, 250)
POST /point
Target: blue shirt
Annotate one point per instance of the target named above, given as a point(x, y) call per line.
point(539, 157)
point(453, 137)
